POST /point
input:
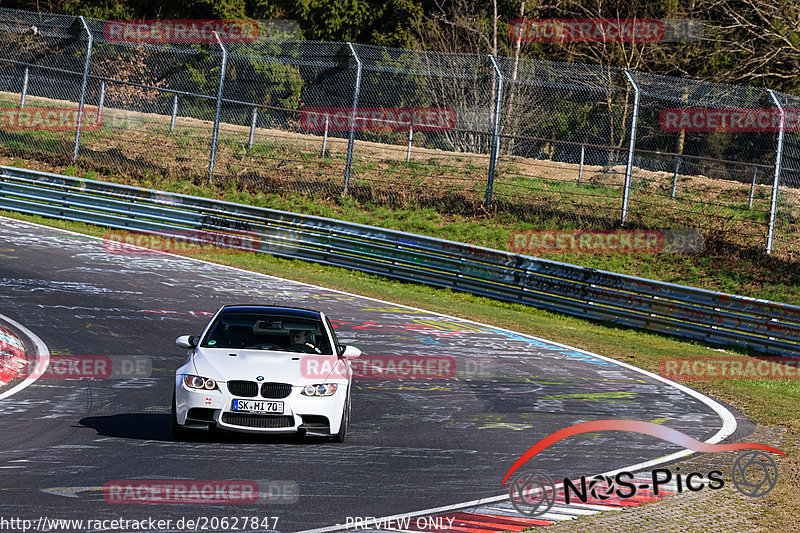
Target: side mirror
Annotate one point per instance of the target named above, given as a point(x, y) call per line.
point(350, 352)
point(186, 341)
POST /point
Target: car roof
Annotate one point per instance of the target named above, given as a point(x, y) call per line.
point(298, 312)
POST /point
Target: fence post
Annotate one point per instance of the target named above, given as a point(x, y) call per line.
point(102, 101)
point(86, 64)
point(174, 113)
point(24, 92)
point(776, 180)
point(325, 136)
point(253, 119)
point(580, 168)
point(496, 133)
point(351, 141)
point(215, 133)
point(752, 189)
point(627, 191)
point(410, 138)
point(675, 175)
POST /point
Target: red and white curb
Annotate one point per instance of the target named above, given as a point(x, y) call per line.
point(13, 361)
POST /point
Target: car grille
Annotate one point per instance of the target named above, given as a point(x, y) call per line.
point(276, 390)
point(246, 389)
point(257, 421)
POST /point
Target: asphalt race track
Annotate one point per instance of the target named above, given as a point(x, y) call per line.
point(413, 444)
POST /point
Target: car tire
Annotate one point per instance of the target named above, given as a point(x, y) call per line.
point(343, 427)
point(179, 433)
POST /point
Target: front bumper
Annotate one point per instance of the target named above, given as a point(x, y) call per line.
point(316, 416)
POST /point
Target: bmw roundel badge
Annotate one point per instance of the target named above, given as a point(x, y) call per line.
point(260, 378)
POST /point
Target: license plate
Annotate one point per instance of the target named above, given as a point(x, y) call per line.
point(252, 406)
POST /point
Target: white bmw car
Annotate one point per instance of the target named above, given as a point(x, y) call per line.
point(266, 370)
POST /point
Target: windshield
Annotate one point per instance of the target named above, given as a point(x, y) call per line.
point(259, 331)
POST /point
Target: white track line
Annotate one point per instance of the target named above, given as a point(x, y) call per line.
point(42, 355)
point(728, 420)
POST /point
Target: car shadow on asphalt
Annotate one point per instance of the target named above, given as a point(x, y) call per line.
point(156, 426)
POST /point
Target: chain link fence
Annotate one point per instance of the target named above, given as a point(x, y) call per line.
point(551, 143)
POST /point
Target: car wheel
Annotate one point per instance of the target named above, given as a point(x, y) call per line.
point(179, 433)
point(342, 434)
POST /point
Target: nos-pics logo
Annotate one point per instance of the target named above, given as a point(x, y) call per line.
point(533, 492)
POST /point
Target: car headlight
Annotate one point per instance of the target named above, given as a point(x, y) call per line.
point(322, 389)
point(197, 382)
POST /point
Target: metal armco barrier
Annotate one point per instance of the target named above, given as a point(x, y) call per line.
point(676, 310)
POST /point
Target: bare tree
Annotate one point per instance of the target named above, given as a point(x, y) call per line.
point(462, 26)
point(756, 40)
point(458, 26)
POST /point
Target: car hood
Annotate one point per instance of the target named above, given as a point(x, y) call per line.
point(274, 366)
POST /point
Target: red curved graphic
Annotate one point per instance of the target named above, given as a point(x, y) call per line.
point(634, 426)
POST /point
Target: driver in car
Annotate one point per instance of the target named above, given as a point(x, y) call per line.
point(299, 343)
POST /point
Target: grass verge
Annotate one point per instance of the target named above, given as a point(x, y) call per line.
point(768, 403)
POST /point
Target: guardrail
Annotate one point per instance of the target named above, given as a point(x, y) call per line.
point(676, 310)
